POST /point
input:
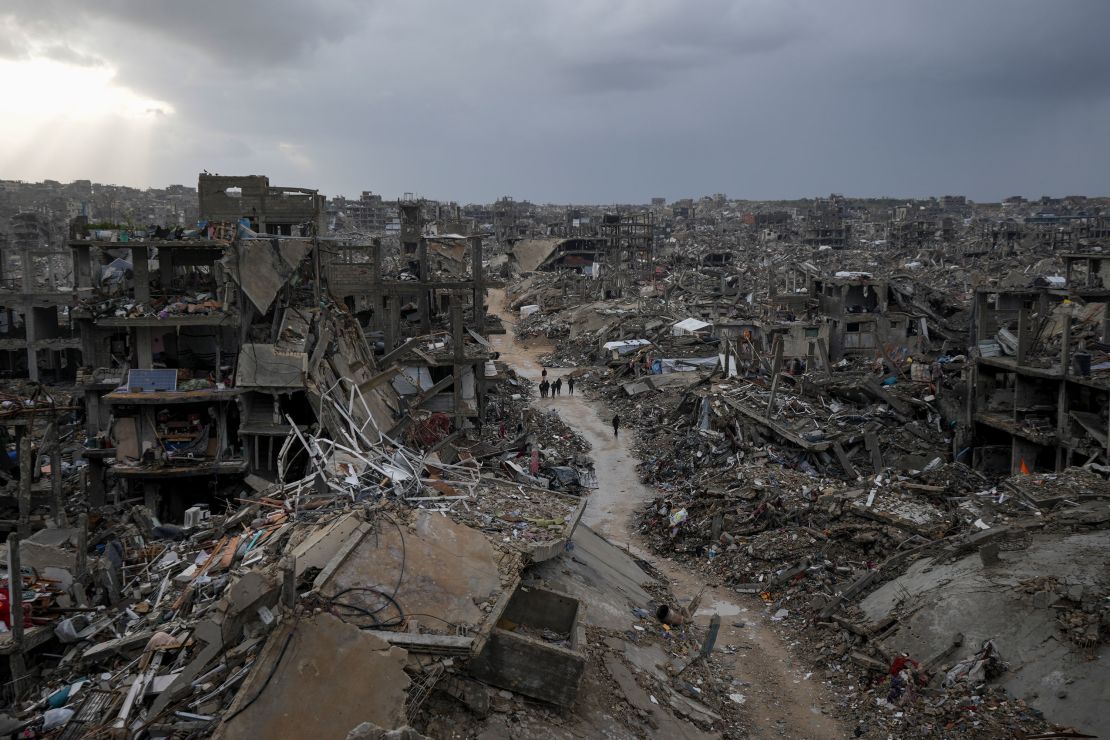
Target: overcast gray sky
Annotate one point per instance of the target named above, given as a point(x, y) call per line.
point(564, 100)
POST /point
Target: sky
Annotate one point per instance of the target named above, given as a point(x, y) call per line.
point(564, 101)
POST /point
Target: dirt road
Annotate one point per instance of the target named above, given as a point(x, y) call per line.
point(782, 697)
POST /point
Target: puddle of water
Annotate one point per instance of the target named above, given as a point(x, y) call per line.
point(723, 608)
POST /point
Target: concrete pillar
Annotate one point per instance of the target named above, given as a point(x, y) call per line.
point(165, 267)
point(83, 267)
point(15, 600)
point(30, 323)
point(459, 349)
point(144, 353)
point(141, 269)
point(1023, 334)
point(1065, 348)
point(377, 302)
point(423, 302)
point(28, 269)
point(26, 477)
point(92, 413)
point(979, 323)
point(478, 276)
point(392, 320)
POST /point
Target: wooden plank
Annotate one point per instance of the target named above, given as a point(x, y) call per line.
point(211, 559)
point(871, 442)
point(845, 464)
point(396, 353)
point(378, 379)
point(229, 553)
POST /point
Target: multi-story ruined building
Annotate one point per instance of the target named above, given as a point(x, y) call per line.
point(825, 225)
point(163, 324)
point(430, 329)
point(1036, 402)
point(865, 316)
point(37, 339)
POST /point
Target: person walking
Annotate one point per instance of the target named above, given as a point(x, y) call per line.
point(544, 374)
point(557, 386)
point(616, 424)
point(544, 386)
point(570, 385)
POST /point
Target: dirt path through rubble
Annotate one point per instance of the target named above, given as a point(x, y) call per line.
point(782, 698)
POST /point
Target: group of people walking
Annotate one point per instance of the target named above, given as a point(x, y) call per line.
point(550, 390)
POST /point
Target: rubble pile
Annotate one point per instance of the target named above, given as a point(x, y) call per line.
point(174, 619)
point(813, 482)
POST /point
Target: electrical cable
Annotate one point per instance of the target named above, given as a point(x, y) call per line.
point(365, 611)
point(404, 553)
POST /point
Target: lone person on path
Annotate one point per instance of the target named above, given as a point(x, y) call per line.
point(544, 374)
point(557, 386)
point(570, 385)
point(616, 424)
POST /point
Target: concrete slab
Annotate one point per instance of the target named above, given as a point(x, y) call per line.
point(328, 678)
point(600, 575)
point(436, 570)
point(666, 724)
point(323, 543)
point(990, 602)
point(262, 366)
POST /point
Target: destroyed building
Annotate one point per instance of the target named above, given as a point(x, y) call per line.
point(864, 316)
point(295, 440)
point(1039, 397)
point(37, 338)
point(825, 224)
point(425, 311)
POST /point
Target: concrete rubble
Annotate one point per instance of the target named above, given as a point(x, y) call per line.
point(266, 474)
point(900, 462)
point(307, 496)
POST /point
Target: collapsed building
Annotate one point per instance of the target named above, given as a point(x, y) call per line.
point(288, 447)
point(275, 453)
point(867, 428)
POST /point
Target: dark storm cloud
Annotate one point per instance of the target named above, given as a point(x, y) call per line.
point(272, 32)
point(654, 44)
point(608, 100)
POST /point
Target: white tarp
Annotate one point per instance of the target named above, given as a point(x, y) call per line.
point(526, 311)
point(689, 326)
point(624, 346)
